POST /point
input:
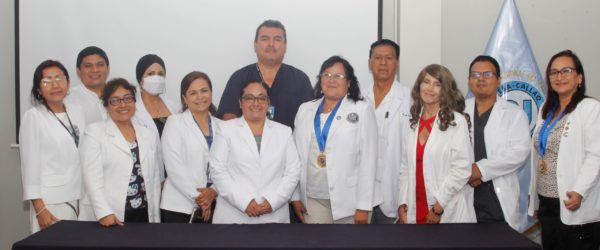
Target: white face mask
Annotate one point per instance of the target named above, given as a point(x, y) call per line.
point(154, 84)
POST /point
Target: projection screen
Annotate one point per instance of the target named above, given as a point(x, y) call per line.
point(213, 36)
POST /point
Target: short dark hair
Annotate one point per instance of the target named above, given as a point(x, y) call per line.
point(112, 86)
point(38, 74)
point(145, 62)
point(353, 90)
point(91, 50)
point(552, 101)
point(386, 42)
point(486, 58)
point(271, 24)
point(186, 82)
point(262, 84)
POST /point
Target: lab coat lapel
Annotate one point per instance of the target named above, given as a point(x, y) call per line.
point(338, 120)
point(194, 129)
point(144, 142)
point(493, 124)
point(248, 137)
point(267, 137)
point(116, 137)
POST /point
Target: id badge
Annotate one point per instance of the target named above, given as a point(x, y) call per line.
point(271, 112)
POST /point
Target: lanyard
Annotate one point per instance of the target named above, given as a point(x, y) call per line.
point(322, 135)
point(209, 138)
point(545, 131)
point(71, 132)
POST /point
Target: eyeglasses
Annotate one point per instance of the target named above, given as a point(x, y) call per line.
point(46, 81)
point(335, 76)
point(115, 101)
point(486, 74)
point(262, 99)
point(564, 71)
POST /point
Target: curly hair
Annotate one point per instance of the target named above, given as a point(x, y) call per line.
point(451, 101)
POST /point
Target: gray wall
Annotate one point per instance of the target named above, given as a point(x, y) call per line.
point(14, 221)
point(430, 31)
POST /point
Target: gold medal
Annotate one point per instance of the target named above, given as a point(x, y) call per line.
point(542, 166)
point(321, 160)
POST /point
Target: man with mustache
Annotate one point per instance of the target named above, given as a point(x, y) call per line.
point(288, 86)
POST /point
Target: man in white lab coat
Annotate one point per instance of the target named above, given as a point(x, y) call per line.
point(92, 69)
point(392, 105)
point(501, 143)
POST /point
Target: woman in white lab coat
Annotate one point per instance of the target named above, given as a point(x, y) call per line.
point(152, 106)
point(336, 136)
point(186, 141)
point(436, 153)
point(121, 162)
point(565, 159)
point(254, 163)
point(48, 137)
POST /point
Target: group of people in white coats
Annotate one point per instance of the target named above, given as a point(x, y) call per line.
point(419, 156)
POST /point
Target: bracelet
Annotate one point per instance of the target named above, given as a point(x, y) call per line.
point(42, 210)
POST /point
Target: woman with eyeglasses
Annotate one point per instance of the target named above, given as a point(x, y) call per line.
point(253, 163)
point(336, 136)
point(436, 153)
point(49, 137)
point(186, 142)
point(565, 159)
point(121, 162)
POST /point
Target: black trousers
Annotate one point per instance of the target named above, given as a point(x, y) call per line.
point(167, 216)
point(136, 215)
point(556, 235)
point(486, 203)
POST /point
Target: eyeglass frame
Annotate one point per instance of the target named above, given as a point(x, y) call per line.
point(336, 76)
point(564, 72)
point(250, 98)
point(47, 81)
point(116, 101)
point(485, 74)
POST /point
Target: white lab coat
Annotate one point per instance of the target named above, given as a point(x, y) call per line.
point(351, 151)
point(446, 169)
point(185, 153)
point(50, 164)
point(89, 102)
point(507, 144)
point(240, 173)
point(142, 117)
point(107, 165)
point(578, 164)
point(390, 144)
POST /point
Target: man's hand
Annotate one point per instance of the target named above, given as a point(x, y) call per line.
point(475, 179)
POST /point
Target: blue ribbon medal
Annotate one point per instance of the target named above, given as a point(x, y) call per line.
point(322, 135)
point(543, 138)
